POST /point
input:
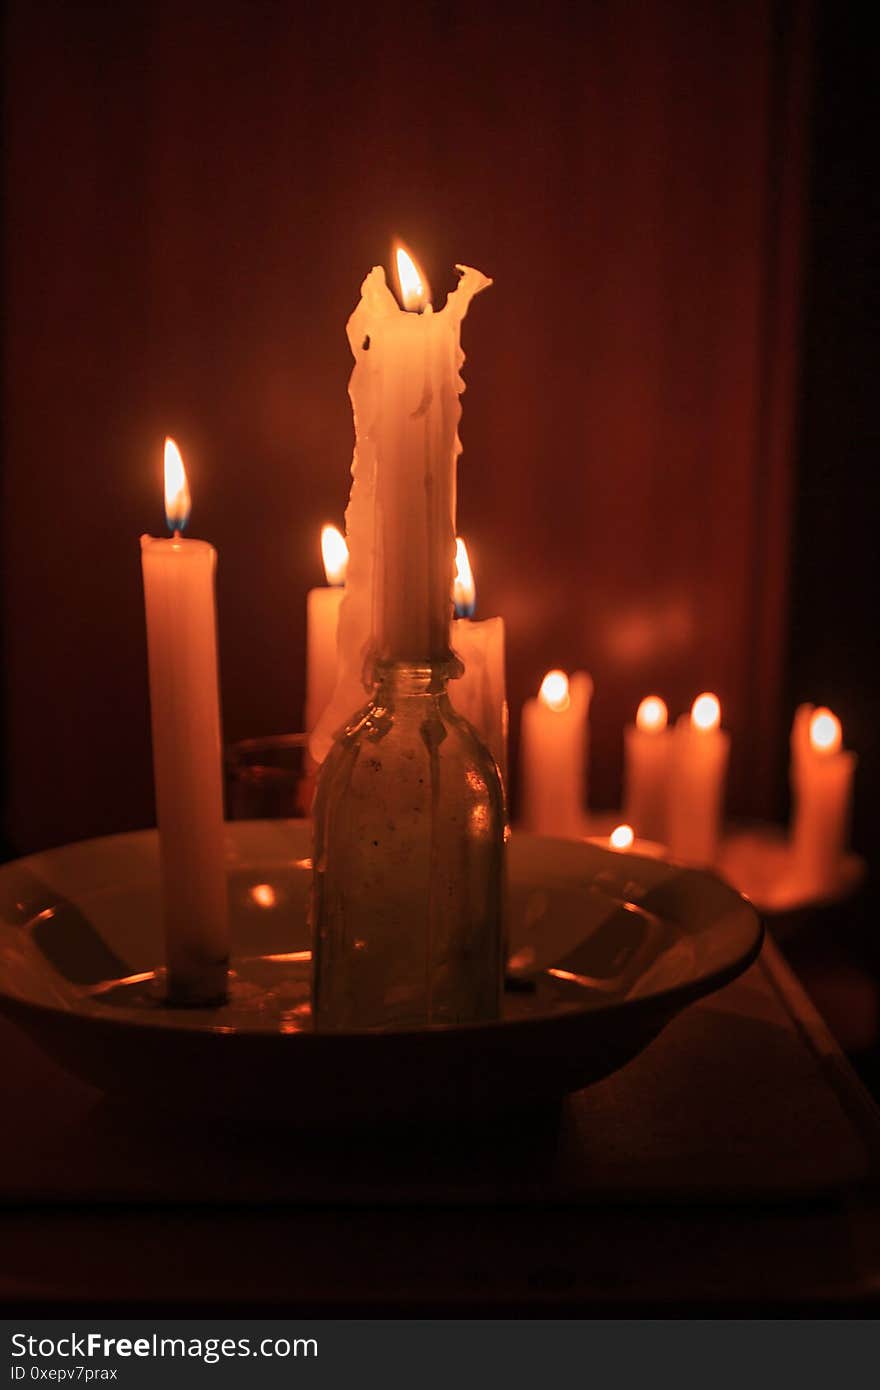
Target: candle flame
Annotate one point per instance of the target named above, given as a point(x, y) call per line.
point(334, 552)
point(706, 712)
point(554, 691)
point(177, 501)
point(826, 734)
point(264, 895)
point(465, 590)
point(652, 714)
point(622, 837)
point(413, 287)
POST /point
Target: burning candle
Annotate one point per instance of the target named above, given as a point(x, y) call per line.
point(700, 752)
point(187, 767)
point(553, 751)
point(405, 390)
point(322, 617)
point(481, 693)
point(621, 838)
point(821, 784)
point(646, 748)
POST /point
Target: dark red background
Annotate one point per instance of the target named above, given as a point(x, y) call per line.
point(195, 195)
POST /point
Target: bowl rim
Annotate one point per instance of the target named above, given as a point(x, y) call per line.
point(668, 1000)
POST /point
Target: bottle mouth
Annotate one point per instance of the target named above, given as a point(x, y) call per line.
point(424, 677)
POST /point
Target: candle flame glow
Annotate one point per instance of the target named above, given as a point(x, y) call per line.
point(652, 714)
point(826, 734)
point(622, 837)
point(177, 500)
point(465, 590)
point(334, 552)
point(554, 691)
point(413, 288)
point(264, 895)
point(706, 712)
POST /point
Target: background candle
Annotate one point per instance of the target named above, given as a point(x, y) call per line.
point(698, 772)
point(821, 785)
point(322, 618)
point(646, 749)
point(481, 693)
point(187, 753)
point(553, 755)
point(399, 523)
point(622, 840)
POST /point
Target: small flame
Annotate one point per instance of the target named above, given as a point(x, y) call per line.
point(465, 591)
point(413, 288)
point(826, 735)
point(554, 691)
point(652, 714)
point(706, 712)
point(622, 837)
point(177, 503)
point(335, 554)
point(264, 895)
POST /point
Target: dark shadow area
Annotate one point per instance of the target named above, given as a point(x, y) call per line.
point(833, 647)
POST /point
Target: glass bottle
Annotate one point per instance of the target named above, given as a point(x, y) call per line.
point(408, 883)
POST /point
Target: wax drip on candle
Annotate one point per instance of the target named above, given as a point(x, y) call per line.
point(177, 498)
point(464, 589)
point(376, 313)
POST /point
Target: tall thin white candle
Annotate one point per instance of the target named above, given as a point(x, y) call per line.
point(187, 754)
point(646, 749)
point(322, 618)
point(700, 753)
point(405, 390)
point(821, 784)
point(553, 755)
point(481, 693)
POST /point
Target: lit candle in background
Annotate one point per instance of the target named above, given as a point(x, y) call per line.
point(553, 753)
point(322, 617)
point(821, 785)
point(646, 750)
point(405, 390)
point(698, 772)
point(481, 693)
point(187, 754)
point(622, 838)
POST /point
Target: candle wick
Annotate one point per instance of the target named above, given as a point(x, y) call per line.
point(176, 534)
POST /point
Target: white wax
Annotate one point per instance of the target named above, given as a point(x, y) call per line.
point(646, 759)
point(697, 777)
point(187, 763)
point(553, 756)
point(399, 523)
point(821, 786)
point(481, 693)
point(322, 617)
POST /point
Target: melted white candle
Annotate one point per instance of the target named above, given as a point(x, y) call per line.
point(404, 390)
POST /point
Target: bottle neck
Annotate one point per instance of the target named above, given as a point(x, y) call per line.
point(400, 680)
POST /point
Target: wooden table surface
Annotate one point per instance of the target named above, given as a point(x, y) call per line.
point(730, 1168)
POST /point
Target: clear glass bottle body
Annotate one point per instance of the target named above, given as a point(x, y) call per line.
point(408, 885)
